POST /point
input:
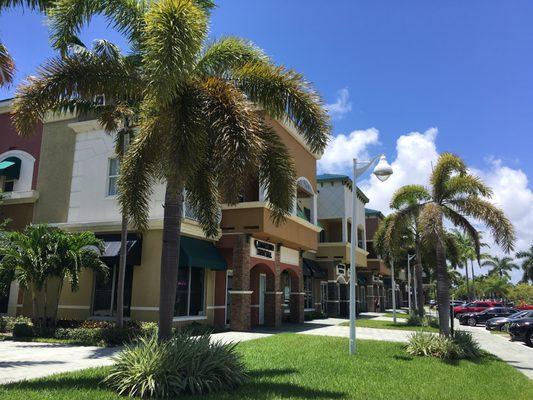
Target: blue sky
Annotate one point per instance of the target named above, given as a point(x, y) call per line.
point(457, 73)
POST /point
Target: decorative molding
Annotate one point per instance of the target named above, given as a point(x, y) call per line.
point(86, 126)
point(193, 318)
point(216, 307)
point(240, 291)
point(28, 196)
point(144, 308)
point(273, 292)
point(73, 307)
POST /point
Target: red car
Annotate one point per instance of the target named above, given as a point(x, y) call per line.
point(475, 306)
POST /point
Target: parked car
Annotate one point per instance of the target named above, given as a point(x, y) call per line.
point(500, 323)
point(475, 318)
point(432, 304)
point(475, 306)
point(525, 307)
point(522, 331)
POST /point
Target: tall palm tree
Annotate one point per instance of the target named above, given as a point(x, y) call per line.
point(399, 201)
point(42, 252)
point(527, 264)
point(467, 252)
point(454, 195)
point(7, 65)
point(202, 121)
point(501, 266)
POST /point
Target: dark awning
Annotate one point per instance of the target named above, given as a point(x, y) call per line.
point(111, 253)
point(200, 254)
point(10, 167)
point(312, 268)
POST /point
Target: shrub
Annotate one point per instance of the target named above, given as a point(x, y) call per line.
point(196, 329)
point(414, 320)
point(314, 315)
point(460, 346)
point(182, 365)
point(84, 336)
point(468, 346)
point(22, 330)
point(148, 329)
point(7, 323)
point(430, 321)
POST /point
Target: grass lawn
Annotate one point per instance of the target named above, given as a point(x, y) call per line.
point(292, 366)
point(398, 315)
point(372, 323)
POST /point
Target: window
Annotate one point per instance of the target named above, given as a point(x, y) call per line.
point(112, 176)
point(286, 289)
point(190, 292)
point(104, 292)
point(9, 185)
point(308, 290)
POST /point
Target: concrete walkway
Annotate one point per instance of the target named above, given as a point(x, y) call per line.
point(516, 354)
point(27, 360)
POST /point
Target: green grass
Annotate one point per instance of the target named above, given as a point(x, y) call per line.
point(398, 315)
point(291, 366)
point(41, 340)
point(400, 325)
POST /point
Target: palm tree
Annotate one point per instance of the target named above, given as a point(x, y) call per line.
point(40, 253)
point(7, 65)
point(399, 201)
point(454, 195)
point(501, 266)
point(527, 264)
point(467, 252)
point(203, 115)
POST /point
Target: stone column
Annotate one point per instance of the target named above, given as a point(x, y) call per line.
point(273, 295)
point(241, 293)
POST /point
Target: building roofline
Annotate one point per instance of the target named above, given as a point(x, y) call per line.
point(374, 213)
point(345, 179)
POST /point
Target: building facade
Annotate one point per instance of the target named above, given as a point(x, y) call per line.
point(251, 274)
point(19, 169)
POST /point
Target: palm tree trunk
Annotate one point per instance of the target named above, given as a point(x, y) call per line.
point(170, 255)
point(467, 282)
point(122, 270)
point(419, 285)
point(123, 247)
point(443, 290)
point(473, 279)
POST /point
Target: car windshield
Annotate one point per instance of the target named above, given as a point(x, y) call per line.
point(520, 314)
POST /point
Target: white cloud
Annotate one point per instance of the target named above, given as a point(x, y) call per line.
point(343, 148)
point(341, 106)
point(416, 153)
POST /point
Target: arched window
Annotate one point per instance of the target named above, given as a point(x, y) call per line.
point(305, 200)
point(16, 171)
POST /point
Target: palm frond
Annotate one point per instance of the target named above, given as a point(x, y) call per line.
point(285, 95)
point(172, 39)
point(75, 76)
point(38, 5)
point(277, 175)
point(430, 224)
point(460, 221)
point(7, 66)
point(203, 198)
point(234, 130)
point(466, 184)
point(223, 56)
point(68, 17)
point(447, 165)
point(501, 227)
point(408, 195)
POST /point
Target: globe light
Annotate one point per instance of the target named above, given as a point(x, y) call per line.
point(383, 170)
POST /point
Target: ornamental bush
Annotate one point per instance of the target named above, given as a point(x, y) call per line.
point(459, 346)
point(183, 365)
point(22, 330)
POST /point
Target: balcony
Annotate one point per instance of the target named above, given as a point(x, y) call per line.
point(255, 218)
point(340, 251)
point(378, 266)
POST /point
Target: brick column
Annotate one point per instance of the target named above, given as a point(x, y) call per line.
point(273, 295)
point(297, 295)
point(241, 293)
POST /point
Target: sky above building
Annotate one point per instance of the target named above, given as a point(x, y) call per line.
point(410, 79)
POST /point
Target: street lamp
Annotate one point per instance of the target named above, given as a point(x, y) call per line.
point(382, 171)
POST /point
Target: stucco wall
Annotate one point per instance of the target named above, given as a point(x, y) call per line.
point(55, 171)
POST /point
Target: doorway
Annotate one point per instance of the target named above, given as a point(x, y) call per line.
point(324, 296)
point(262, 290)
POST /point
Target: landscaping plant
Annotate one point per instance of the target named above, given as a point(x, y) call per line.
point(459, 346)
point(180, 366)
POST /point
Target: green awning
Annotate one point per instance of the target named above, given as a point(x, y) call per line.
point(200, 254)
point(10, 167)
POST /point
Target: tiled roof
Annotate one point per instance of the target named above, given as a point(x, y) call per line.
point(372, 212)
point(337, 177)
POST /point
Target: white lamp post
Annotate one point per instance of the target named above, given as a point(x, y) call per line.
point(382, 171)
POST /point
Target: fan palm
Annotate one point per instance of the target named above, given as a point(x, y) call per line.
point(40, 253)
point(527, 264)
point(501, 266)
point(454, 195)
point(203, 120)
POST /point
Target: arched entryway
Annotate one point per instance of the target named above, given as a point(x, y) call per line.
point(291, 281)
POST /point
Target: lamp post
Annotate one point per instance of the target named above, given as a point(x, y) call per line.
point(409, 258)
point(382, 171)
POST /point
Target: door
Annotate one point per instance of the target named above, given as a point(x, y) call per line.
point(262, 289)
point(324, 296)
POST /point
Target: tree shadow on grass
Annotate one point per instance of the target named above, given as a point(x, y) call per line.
point(76, 381)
